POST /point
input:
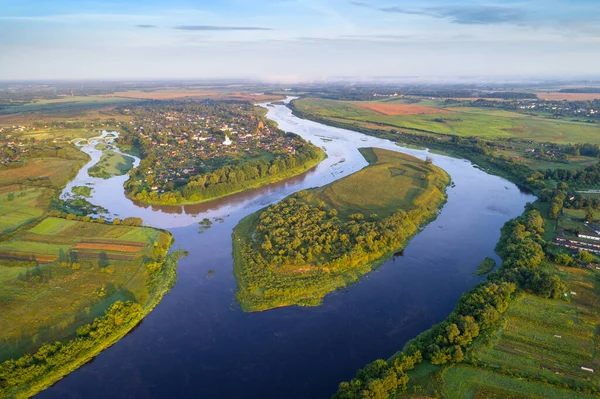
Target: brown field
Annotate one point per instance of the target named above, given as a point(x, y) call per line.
point(47, 239)
point(16, 255)
point(107, 247)
point(109, 241)
point(195, 93)
point(569, 96)
point(45, 171)
point(87, 254)
point(401, 109)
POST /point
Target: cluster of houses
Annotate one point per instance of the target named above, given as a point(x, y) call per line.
point(589, 109)
point(204, 136)
point(11, 148)
point(584, 241)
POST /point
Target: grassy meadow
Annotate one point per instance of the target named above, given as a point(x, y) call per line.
point(465, 122)
point(26, 191)
point(393, 181)
point(111, 164)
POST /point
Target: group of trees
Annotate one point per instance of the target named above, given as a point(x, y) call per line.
point(293, 232)
point(590, 176)
point(478, 310)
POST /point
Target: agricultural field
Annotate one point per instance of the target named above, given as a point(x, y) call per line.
point(63, 273)
point(195, 93)
point(465, 122)
point(43, 172)
point(67, 104)
point(401, 109)
point(463, 382)
point(551, 339)
point(27, 190)
point(537, 352)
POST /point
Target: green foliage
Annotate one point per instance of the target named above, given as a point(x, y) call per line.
point(485, 267)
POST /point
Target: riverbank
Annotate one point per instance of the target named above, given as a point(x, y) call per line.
point(320, 240)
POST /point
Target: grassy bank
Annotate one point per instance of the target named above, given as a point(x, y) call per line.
point(320, 240)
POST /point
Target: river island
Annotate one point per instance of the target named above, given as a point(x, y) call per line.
point(320, 240)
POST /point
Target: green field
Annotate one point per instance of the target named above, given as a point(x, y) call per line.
point(68, 104)
point(463, 382)
point(551, 339)
point(538, 350)
point(26, 190)
point(111, 164)
point(465, 122)
point(19, 207)
point(392, 182)
point(62, 274)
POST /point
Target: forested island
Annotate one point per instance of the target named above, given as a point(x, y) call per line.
point(319, 240)
point(197, 151)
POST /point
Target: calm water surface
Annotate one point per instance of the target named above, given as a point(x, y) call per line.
point(198, 344)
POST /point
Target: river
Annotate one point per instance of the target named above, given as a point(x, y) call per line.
point(197, 343)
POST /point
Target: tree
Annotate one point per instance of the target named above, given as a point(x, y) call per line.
point(589, 215)
point(585, 256)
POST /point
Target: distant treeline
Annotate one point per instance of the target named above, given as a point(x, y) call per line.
point(369, 93)
point(591, 90)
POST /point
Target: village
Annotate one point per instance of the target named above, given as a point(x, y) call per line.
point(560, 109)
point(187, 139)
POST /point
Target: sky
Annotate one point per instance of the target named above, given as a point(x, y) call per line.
point(298, 40)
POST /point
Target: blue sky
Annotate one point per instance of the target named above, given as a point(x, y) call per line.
point(291, 40)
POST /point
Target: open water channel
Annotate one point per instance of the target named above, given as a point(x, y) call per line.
point(197, 343)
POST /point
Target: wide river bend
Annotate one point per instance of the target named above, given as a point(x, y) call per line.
point(197, 343)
